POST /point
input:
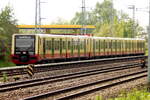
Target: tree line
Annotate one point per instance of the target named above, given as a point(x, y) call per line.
point(109, 22)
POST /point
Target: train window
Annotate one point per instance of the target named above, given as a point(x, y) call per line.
point(48, 44)
point(97, 45)
point(113, 45)
point(63, 45)
point(137, 45)
point(58, 45)
point(80, 44)
point(68, 44)
point(52, 43)
point(109, 45)
point(55, 44)
point(85, 45)
point(128, 44)
point(75, 43)
point(101, 44)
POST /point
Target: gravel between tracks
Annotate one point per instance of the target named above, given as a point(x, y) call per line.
point(115, 90)
point(17, 94)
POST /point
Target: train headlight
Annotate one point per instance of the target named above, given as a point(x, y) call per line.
point(24, 52)
point(18, 52)
point(31, 53)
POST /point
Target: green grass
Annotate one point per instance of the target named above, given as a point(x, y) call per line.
point(5, 61)
point(133, 95)
point(6, 64)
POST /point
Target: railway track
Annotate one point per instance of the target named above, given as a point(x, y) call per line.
point(20, 70)
point(104, 84)
point(45, 80)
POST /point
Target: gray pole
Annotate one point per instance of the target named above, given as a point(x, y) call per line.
point(40, 16)
point(83, 21)
point(112, 20)
point(36, 16)
point(149, 46)
point(133, 21)
point(133, 26)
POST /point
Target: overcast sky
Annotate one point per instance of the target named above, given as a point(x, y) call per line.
point(24, 10)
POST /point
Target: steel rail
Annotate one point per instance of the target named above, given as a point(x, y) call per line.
point(45, 80)
point(56, 66)
point(52, 93)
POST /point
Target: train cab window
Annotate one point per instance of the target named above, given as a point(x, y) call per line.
point(25, 43)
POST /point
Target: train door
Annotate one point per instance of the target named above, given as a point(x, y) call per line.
point(90, 47)
point(82, 47)
point(113, 47)
point(119, 47)
point(72, 47)
point(116, 47)
point(85, 47)
point(104, 42)
point(78, 46)
point(93, 42)
point(123, 47)
point(138, 46)
point(48, 47)
point(102, 47)
point(75, 47)
point(110, 47)
point(99, 47)
point(106, 47)
point(68, 47)
point(127, 46)
point(62, 47)
point(96, 47)
point(64, 50)
point(40, 41)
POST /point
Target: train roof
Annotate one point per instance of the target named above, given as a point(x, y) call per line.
point(83, 36)
point(118, 38)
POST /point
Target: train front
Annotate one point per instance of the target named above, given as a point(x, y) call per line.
point(23, 49)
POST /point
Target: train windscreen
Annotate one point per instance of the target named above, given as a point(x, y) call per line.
point(24, 43)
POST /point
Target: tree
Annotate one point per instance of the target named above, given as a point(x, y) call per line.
point(108, 21)
point(7, 27)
